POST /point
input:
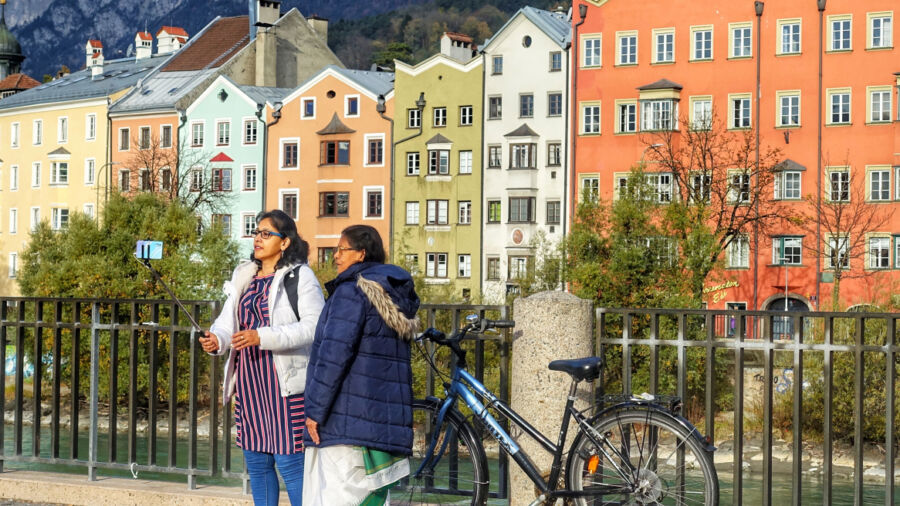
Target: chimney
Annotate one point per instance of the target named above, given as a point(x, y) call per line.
point(170, 39)
point(143, 45)
point(320, 25)
point(266, 52)
point(458, 46)
point(263, 14)
point(97, 66)
point(92, 49)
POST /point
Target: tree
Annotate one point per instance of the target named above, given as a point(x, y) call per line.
point(393, 51)
point(718, 191)
point(845, 220)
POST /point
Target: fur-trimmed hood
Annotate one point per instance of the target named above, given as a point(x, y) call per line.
point(391, 291)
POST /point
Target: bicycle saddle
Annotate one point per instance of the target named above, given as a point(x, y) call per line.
point(580, 369)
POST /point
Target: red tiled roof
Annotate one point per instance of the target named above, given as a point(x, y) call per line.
point(95, 43)
point(221, 157)
point(461, 37)
point(173, 30)
point(214, 47)
point(145, 35)
point(18, 82)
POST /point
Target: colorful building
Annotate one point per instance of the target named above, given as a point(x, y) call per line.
point(651, 68)
point(438, 168)
point(329, 158)
point(526, 161)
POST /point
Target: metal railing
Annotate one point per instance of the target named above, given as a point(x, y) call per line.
point(634, 342)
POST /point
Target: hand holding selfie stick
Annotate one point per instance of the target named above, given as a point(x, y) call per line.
point(152, 250)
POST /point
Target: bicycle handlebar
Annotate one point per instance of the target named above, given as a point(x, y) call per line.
point(475, 324)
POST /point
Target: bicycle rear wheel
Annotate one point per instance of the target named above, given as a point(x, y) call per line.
point(662, 462)
point(461, 475)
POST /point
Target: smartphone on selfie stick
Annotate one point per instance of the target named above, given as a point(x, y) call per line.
point(152, 250)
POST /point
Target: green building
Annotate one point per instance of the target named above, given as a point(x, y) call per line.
point(437, 168)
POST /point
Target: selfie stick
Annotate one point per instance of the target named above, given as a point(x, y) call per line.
point(146, 263)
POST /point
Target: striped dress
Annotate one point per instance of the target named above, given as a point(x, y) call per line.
point(266, 422)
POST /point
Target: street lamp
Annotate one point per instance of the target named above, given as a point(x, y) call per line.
point(644, 152)
point(380, 107)
point(106, 187)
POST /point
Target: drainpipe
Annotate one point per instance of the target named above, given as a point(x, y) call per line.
point(565, 172)
point(759, 11)
point(582, 12)
point(821, 6)
point(420, 105)
point(109, 138)
point(380, 108)
point(276, 115)
point(481, 258)
point(182, 120)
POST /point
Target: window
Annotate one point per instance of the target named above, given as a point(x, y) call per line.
point(13, 221)
point(90, 172)
point(326, 255)
point(837, 254)
point(438, 161)
point(626, 120)
point(14, 135)
point(664, 45)
point(62, 130)
point(494, 209)
point(465, 162)
point(662, 186)
point(740, 40)
point(554, 154)
point(375, 150)
point(789, 33)
point(526, 105)
point(223, 133)
point(465, 115)
point(35, 218)
point(554, 104)
point(250, 177)
point(412, 164)
point(440, 116)
point(90, 127)
point(590, 187)
point(144, 138)
point(221, 180)
point(37, 132)
point(555, 61)
point(436, 212)
point(36, 174)
point(290, 203)
point(897, 251)
point(879, 105)
point(739, 111)
point(789, 108)
point(197, 134)
point(412, 263)
point(165, 179)
point(335, 153)
point(13, 257)
point(881, 27)
point(308, 108)
point(840, 186)
point(787, 185)
point(412, 213)
point(248, 225)
point(351, 106)
point(374, 202)
point(14, 177)
point(125, 181)
point(497, 65)
point(59, 218)
point(196, 179)
point(879, 252)
point(701, 113)
point(495, 107)
point(739, 190)
point(251, 131)
point(124, 139)
point(59, 173)
point(591, 50)
point(223, 220)
point(522, 156)
point(839, 101)
point(703, 43)
point(465, 212)
point(334, 204)
point(436, 265)
point(493, 268)
point(464, 262)
point(553, 212)
point(521, 210)
point(290, 154)
point(787, 250)
point(88, 210)
point(739, 253)
point(590, 119)
point(627, 48)
point(839, 32)
point(518, 267)
point(413, 118)
point(658, 114)
point(880, 184)
point(165, 137)
point(495, 157)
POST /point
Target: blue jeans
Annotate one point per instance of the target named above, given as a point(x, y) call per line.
point(264, 481)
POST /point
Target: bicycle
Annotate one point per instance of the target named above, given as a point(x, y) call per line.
point(636, 450)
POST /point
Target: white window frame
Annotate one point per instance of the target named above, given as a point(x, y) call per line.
point(734, 119)
point(148, 131)
point(439, 117)
point(626, 120)
point(590, 110)
point(886, 42)
point(36, 174)
point(843, 182)
point(13, 178)
point(784, 185)
point(56, 215)
point(789, 35)
point(842, 244)
point(779, 244)
point(466, 115)
point(193, 134)
point(366, 139)
point(836, 93)
point(62, 130)
point(366, 190)
point(436, 265)
point(37, 132)
point(464, 265)
point(90, 127)
point(781, 98)
point(701, 115)
point(248, 224)
point(303, 102)
point(15, 132)
point(707, 31)
point(437, 212)
point(13, 221)
point(739, 252)
point(883, 108)
point(746, 35)
point(626, 48)
point(281, 143)
point(34, 218)
point(227, 132)
point(592, 50)
point(88, 210)
point(590, 182)
point(245, 169)
point(347, 99)
point(879, 176)
point(846, 24)
point(283, 192)
point(412, 213)
point(413, 169)
point(56, 178)
point(883, 259)
point(13, 258)
point(656, 117)
point(465, 212)
point(666, 36)
point(465, 162)
point(245, 122)
point(413, 118)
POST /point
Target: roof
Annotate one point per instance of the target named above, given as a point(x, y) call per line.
point(556, 25)
point(18, 82)
point(789, 165)
point(215, 46)
point(438, 139)
point(173, 30)
point(145, 35)
point(95, 43)
point(118, 75)
point(335, 126)
point(221, 157)
point(60, 151)
point(263, 94)
point(662, 84)
point(161, 90)
point(522, 131)
point(379, 83)
point(461, 37)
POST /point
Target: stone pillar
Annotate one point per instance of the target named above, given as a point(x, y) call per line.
point(549, 326)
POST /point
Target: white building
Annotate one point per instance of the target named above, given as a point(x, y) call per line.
point(526, 65)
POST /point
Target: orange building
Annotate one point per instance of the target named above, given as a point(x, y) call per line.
point(329, 161)
point(644, 69)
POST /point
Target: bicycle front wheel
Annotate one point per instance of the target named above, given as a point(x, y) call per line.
point(645, 457)
point(461, 474)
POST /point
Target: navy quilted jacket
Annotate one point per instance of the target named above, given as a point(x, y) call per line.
point(359, 379)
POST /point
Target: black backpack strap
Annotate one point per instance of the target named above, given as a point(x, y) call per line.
point(290, 285)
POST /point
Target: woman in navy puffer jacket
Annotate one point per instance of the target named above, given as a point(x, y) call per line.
point(359, 380)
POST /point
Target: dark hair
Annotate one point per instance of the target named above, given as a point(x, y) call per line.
point(365, 238)
point(297, 251)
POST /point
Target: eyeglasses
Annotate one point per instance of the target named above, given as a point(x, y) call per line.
point(265, 234)
point(346, 248)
